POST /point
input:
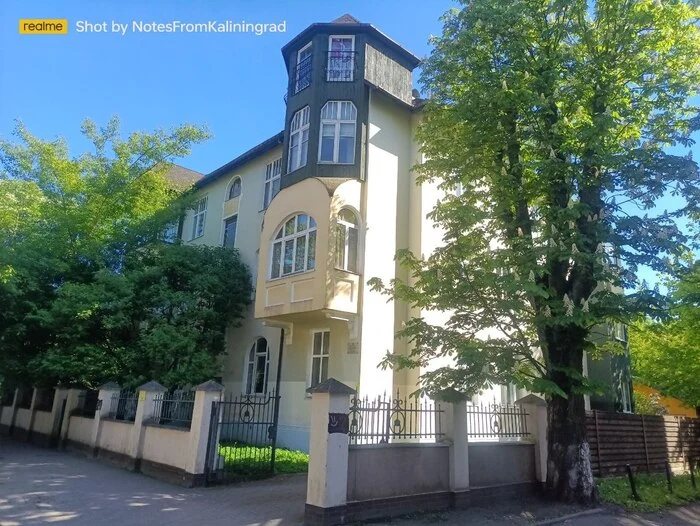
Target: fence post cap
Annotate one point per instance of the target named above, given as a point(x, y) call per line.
point(209, 385)
point(110, 386)
point(153, 387)
point(531, 399)
point(331, 386)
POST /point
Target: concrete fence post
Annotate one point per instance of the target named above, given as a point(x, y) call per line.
point(536, 419)
point(72, 400)
point(32, 413)
point(144, 410)
point(327, 486)
point(195, 466)
point(58, 415)
point(104, 405)
point(7, 417)
point(456, 434)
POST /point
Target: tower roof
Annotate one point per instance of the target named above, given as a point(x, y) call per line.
point(353, 26)
point(347, 18)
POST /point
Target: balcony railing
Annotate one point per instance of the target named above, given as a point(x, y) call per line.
point(300, 75)
point(340, 66)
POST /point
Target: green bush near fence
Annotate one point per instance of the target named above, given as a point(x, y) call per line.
point(247, 459)
point(652, 489)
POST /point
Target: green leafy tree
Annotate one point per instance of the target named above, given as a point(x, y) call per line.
point(554, 117)
point(63, 218)
point(666, 354)
point(648, 404)
point(163, 316)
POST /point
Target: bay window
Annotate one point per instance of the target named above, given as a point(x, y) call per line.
point(298, 140)
point(294, 247)
point(338, 124)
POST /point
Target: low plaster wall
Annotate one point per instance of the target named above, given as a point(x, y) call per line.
point(6, 415)
point(43, 423)
point(166, 446)
point(392, 470)
point(501, 463)
point(115, 436)
point(80, 430)
point(23, 418)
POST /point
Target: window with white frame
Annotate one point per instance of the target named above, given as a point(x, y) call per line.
point(170, 232)
point(235, 189)
point(199, 218)
point(346, 238)
point(294, 247)
point(303, 68)
point(230, 227)
point(258, 367)
point(273, 172)
point(298, 140)
point(319, 357)
point(338, 124)
point(341, 59)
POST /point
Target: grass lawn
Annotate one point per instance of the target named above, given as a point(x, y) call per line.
point(652, 489)
point(248, 460)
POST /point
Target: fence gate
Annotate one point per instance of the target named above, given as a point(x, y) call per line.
point(242, 438)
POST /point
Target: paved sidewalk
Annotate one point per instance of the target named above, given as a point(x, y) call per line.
point(39, 486)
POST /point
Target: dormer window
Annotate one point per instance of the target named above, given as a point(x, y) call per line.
point(341, 59)
point(338, 123)
point(302, 70)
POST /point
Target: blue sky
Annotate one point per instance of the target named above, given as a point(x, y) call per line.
point(233, 83)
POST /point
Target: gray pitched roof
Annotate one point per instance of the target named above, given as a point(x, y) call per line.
point(347, 18)
point(181, 177)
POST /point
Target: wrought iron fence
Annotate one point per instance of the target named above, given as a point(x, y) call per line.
point(496, 421)
point(173, 409)
point(87, 404)
point(44, 399)
point(123, 405)
point(341, 66)
point(24, 397)
point(385, 419)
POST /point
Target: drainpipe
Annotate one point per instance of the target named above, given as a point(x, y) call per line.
point(278, 382)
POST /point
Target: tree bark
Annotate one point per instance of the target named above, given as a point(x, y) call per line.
point(569, 473)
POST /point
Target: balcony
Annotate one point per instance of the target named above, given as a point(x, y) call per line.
point(341, 66)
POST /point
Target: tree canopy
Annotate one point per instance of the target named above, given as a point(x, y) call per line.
point(666, 354)
point(554, 118)
point(87, 288)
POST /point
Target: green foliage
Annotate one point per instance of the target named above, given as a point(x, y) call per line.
point(554, 118)
point(666, 354)
point(163, 316)
point(652, 489)
point(648, 404)
point(245, 459)
point(67, 220)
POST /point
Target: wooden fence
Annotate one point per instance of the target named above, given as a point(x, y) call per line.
point(645, 442)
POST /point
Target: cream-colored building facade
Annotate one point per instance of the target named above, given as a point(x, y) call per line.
point(316, 211)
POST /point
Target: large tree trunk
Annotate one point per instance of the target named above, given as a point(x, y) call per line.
point(569, 474)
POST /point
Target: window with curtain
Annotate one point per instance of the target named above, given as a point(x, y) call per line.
point(338, 124)
point(346, 239)
point(298, 140)
point(258, 367)
point(230, 226)
point(199, 218)
point(294, 247)
point(235, 188)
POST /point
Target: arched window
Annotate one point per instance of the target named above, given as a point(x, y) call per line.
point(298, 140)
point(294, 247)
point(235, 188)
point(338, 123)
point(258, 367)
point(346, 236)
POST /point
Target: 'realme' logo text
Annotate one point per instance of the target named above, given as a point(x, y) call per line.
point(43, 26)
